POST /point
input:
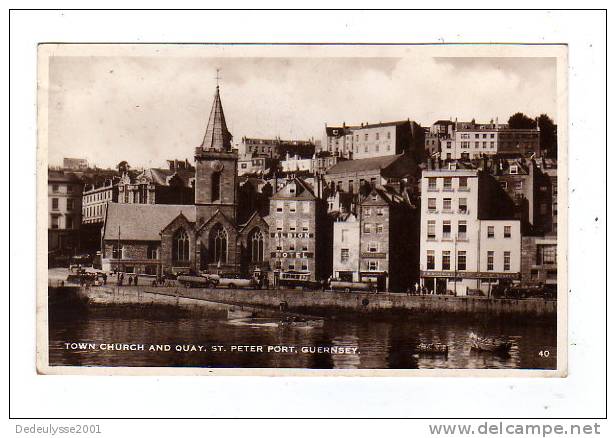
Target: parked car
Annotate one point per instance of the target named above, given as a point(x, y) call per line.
point(232, 281)
point(294, 279)
point(348, 286)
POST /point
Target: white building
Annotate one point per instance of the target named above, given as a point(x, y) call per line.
point(346, 248)
point(468, 241)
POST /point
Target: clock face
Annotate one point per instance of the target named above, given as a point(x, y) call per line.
point(217, 166)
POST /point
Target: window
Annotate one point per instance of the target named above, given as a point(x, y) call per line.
point(461, 260)
point(343, 235)
point(490, 232)
point(367, 228)
point(377, 135)
point(180, 246)
point(54, 203)
point(152, 252)
point(463, 182)
point(491, 145)
point(373, 247)
point(491, 135)
point(69, 222)
point(305, 226)
point(430, 259)
point(446, 229)
point(256, 246)
point(546, 254)
point(367, 211)
point(507, 231)
point(476, 135)
point(431, 204)
point(379, 228)
point(69, 204)
point(447, 183)
point(447, 204)
point(446, 261)
point(344, 255)
point(462, 205)
point(279, 224)
point(448, 145)
point(506, 261)
point(279, 206)
point(292, 246)
point(373, 265)
point(216, 186)
point(55, 188)
point(292, 206)
point(485, 136)
point(431, 230)
point(116, 251)
point(462, 230)
point(503, 184)
point(519, 185)
point(218, 244)
point(244, 165)
point(292, 225)
point(379, 211)
point(389, 136)
point(490, 260)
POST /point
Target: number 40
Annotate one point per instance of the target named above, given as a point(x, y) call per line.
point(544, 353)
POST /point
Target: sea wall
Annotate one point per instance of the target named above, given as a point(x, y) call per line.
point(329, 302)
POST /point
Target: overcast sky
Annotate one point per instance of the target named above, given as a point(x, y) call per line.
point(148, 109)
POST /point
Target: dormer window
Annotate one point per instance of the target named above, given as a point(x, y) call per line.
point(513, 170)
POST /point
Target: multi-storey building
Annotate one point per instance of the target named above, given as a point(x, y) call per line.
point(440, 131)
point(529, 188)
point(64, 207)
point(549, 167)
point(175, 185)
point(252, 164)
point(277, 148)
point(472, 140)
point(300, 232)
point(539, 260)
point(95, 198)
point(346, 245)
point(388, 239)
point(75, 163)
point(374, 140)
point(469, 237)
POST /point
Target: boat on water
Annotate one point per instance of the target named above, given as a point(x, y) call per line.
point(489, 344)
point(433, 348)
point(299, 322)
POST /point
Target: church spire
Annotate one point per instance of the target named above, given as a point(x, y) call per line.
point(217, 136)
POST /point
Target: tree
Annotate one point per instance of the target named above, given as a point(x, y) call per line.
point(548, 137)
point(521, 121)
point(123, 167)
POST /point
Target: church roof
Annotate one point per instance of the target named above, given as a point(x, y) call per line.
point(217, 136)
point(142, 221)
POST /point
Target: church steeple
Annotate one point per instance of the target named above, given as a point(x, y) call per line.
point(217, 136)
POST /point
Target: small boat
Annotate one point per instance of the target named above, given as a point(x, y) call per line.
point(493, 345)
point(298, 322)
point(432, 348)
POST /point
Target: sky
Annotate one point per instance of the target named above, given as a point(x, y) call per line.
point(146, 110)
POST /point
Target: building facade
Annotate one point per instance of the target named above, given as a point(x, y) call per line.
point(299, 231)
point(277, 148)
point(540, 260)
point(469, 237)
point(374, 140)
point(346, 246)
point(64, 197)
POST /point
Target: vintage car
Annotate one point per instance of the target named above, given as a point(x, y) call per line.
point(348, 286)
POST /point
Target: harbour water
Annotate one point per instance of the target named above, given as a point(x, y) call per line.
point(225, 341)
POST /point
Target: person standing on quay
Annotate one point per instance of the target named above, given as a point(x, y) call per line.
point(130, 280)
point(136, 278)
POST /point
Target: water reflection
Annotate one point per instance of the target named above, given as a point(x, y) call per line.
point(380, 344)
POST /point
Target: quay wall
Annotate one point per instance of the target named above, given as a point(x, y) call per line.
point(327, 301)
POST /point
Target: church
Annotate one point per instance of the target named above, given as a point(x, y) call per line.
point(161, 239)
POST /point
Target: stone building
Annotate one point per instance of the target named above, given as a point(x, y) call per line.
point(203, 236)
point(277, 148)
point(300, 231)
point(174, 185)
point(539, 260)
point(346, 243)
point(352, 175)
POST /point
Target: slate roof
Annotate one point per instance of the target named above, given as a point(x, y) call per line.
point(303, 191)
point(396, 165)
point(217, 136)
point(142, 221)
point(161, 176)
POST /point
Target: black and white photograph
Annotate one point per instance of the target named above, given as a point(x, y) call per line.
point(265, 209)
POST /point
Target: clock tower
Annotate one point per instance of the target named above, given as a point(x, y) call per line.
point(216, 168)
